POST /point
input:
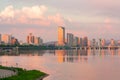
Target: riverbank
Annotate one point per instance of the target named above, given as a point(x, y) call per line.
point(22, 74)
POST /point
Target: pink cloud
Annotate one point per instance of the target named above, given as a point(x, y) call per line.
point(8, 12)
point(34, 12)
point(30, 15)
point(57, 19)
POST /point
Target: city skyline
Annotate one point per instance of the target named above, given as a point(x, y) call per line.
point(95, 19)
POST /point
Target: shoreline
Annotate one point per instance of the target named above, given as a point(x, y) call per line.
point(42, 77)
point(32, 74)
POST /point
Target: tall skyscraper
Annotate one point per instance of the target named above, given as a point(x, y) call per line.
point(112, 42)
point(6, 39)
point(94, 43)
point(0, 38)
point(75, 42)
point(30, 39)
point(61, 36)
point(70, 39)
point(80, 42)
point(85, 41)
point(103, 42)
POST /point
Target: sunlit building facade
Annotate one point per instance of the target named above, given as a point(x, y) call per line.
point(6, 39)
point(103, 43)
point(38, 41)
point(33, 40)
point(61, 36)
point(30, 39)
point(112, 42)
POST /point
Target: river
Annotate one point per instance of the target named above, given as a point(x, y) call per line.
point(68, 64)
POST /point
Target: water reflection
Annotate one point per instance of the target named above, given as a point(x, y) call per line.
point(82, 55)
point(68, 64)
point(67, 55)
point(60, 55)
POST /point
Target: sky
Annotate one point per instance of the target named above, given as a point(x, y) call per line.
point(92, 18)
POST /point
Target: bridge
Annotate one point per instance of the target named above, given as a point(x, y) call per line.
point(97, 47)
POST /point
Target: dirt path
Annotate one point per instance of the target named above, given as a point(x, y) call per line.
point(6, 73)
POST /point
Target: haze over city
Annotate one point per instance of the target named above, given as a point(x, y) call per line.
point(94, 18)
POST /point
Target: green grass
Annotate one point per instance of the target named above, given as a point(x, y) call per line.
point(23, 74)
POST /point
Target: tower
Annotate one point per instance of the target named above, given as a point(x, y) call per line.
point(61, 36)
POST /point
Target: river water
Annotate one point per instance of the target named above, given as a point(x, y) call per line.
point(68, 64)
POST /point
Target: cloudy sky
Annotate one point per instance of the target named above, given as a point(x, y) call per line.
point(92, 18)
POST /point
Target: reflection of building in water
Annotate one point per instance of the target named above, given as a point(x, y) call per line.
point(60, 55)
point(102, 52)
point(71, 55)
point(75, 55)
point(84, 59)
point(51, 52)
point(119, 52)
point(32, 52)
point(89, 52)
point(83, 53)
point(113, 52)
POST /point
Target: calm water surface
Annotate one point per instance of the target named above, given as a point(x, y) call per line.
point(69, 64)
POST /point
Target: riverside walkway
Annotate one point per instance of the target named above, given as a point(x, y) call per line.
point(6, 73)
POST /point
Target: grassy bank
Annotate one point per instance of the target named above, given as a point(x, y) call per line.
point(23, 74)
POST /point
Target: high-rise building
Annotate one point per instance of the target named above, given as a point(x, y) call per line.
point(14, 41)
point(112, 42)
point(93, 44)
point(80, 42)
point(89, 43)
point(61, 36)
point(103, 42)
point(75, 42)
point(38, 41)
point(85, 41)
point(70, 39)
point(0, 38)
point(6, 39)
point(30, 39)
